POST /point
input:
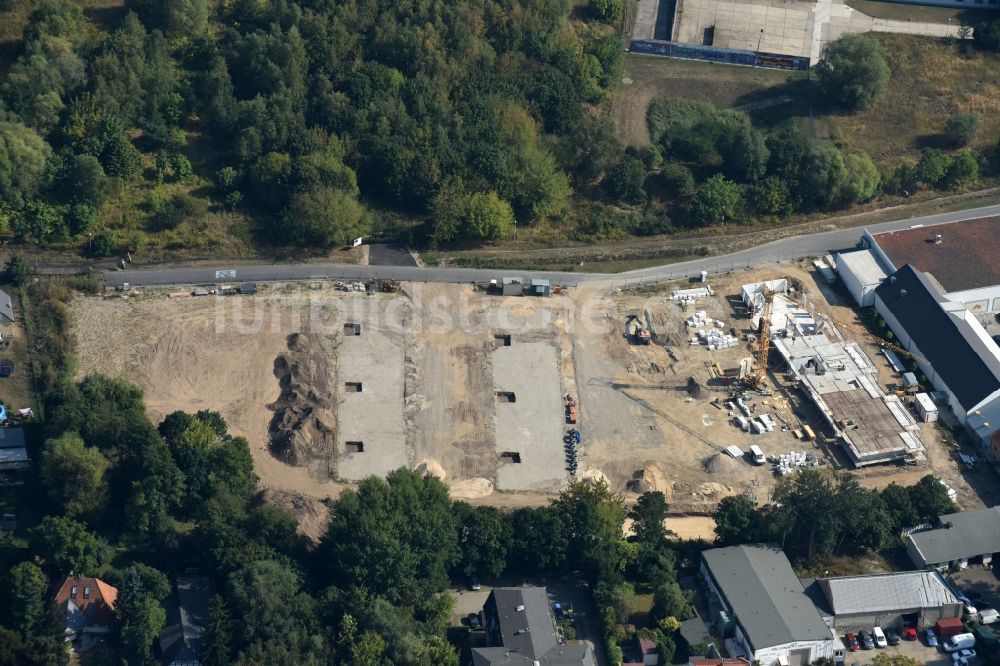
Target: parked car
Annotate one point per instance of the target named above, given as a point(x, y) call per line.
point(931, 638)
point(959, 642)
point(879, 637)
point(474, 621)
point(6, 368)
point(962, 657)
point(909, 634)
point(852, 641)
point(989, 616)
point(867, 642)
point(474, 583)
point(892, 637)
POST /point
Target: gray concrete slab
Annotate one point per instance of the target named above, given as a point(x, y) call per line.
point(373, 416)
point(532, 426)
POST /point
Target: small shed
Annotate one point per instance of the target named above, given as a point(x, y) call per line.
point(248, 288)
point(6, 309)
point(512, 286)
point(540, 287)
point(926, 408)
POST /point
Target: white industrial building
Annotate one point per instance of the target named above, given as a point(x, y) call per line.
point(958, 357)
point(762, 609)
point(861, 273)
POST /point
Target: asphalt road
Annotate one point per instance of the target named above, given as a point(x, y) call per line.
point(785, 249)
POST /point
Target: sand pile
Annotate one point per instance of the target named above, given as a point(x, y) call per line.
point(470, 488)
point(431, 467)
point(711, 489)
point(648, 479)
point(303, 427)
point(310, 514)
point(720, 463)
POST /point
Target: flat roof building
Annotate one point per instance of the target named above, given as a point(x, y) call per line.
point(962, 537)
point(861, 273)
point(841, 381)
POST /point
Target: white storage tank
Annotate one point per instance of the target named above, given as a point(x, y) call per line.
point(926, 408)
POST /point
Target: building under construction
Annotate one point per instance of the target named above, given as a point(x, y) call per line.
point(838, 377)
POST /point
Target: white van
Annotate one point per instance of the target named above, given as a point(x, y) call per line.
point(879, 637)
point(757, 455)
point(959, 642)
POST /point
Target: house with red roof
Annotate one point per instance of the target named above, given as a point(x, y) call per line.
point(89, 604)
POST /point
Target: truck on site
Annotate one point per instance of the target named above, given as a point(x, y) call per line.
point(756, 455)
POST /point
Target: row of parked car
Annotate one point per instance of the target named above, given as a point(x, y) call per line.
point(864, 640)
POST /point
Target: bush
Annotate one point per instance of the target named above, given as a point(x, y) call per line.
point(718, 200)
point(20, 271)
point(610, 11)
point(962, 128)
point(627, 180)
point(987, 35)
point(932, 167)
point(853, 71)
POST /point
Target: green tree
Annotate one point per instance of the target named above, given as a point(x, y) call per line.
point(853, 70)
point(648, 516)
point(986, 35)
point(11, 647)
point(397, 535)
point(484, 538)
point(804, 517)
point(541, 539)
point(74, 475)
point(274, 611)
point(140, 619)
point(770, 198)
point(86, 181)
point(488, 217)
point(963, 170)
point(23, 158)
point(718, 200)
point(121, 159)
point(669, 600)
point(218, 634)
point(627, 180)
point(930, 500)
point(66, 545)
point(19, 270)
point(28, 587)
point(594, 517)
point(932, 169)
point(610, 11)
point(736, 521)
point(962, 128)
point(176, 18)
point(897, 502)
point(369, 650)
point(861, 179)
point(323, 217)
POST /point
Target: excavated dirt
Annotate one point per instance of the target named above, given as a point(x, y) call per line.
point(311, 515)
point(303, 428)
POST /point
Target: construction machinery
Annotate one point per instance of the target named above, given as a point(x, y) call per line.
point(636, 332)
point(755, 378)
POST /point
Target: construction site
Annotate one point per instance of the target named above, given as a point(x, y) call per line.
point(700, 390)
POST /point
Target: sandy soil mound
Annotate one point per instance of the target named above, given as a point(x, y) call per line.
point(648, 479)
point(711, 489)
point(431, 467)
point(312, 515)
point(303, 427)
point(595, 475)
point(720, 463)
point(470, 489)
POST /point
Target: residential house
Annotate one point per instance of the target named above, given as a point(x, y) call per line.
point(182, 641)
point(89, 605)
point(520, 629)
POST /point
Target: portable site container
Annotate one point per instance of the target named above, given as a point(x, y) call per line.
point(926, 408)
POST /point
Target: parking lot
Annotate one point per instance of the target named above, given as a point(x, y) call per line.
point(980, 584)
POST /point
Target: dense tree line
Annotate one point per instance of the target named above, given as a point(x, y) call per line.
point(465, 114)
point(816, 513)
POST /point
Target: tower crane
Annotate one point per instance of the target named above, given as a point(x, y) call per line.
point(763, 339)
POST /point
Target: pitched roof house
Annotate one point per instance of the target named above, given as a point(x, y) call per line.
point(89, 604)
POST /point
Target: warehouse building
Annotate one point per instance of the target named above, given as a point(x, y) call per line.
point(960, 255)
point(962, 360)
point(920, 598)
point(762, 609)
point(963, 538)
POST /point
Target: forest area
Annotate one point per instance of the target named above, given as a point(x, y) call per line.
point(220, 126)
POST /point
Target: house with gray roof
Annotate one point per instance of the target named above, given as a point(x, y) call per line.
point(885, 600)
point(520, 630)
point(963, 537)
point(182, 641)
point(762, 608)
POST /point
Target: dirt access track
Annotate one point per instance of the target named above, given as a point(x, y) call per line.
point(331, 386)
